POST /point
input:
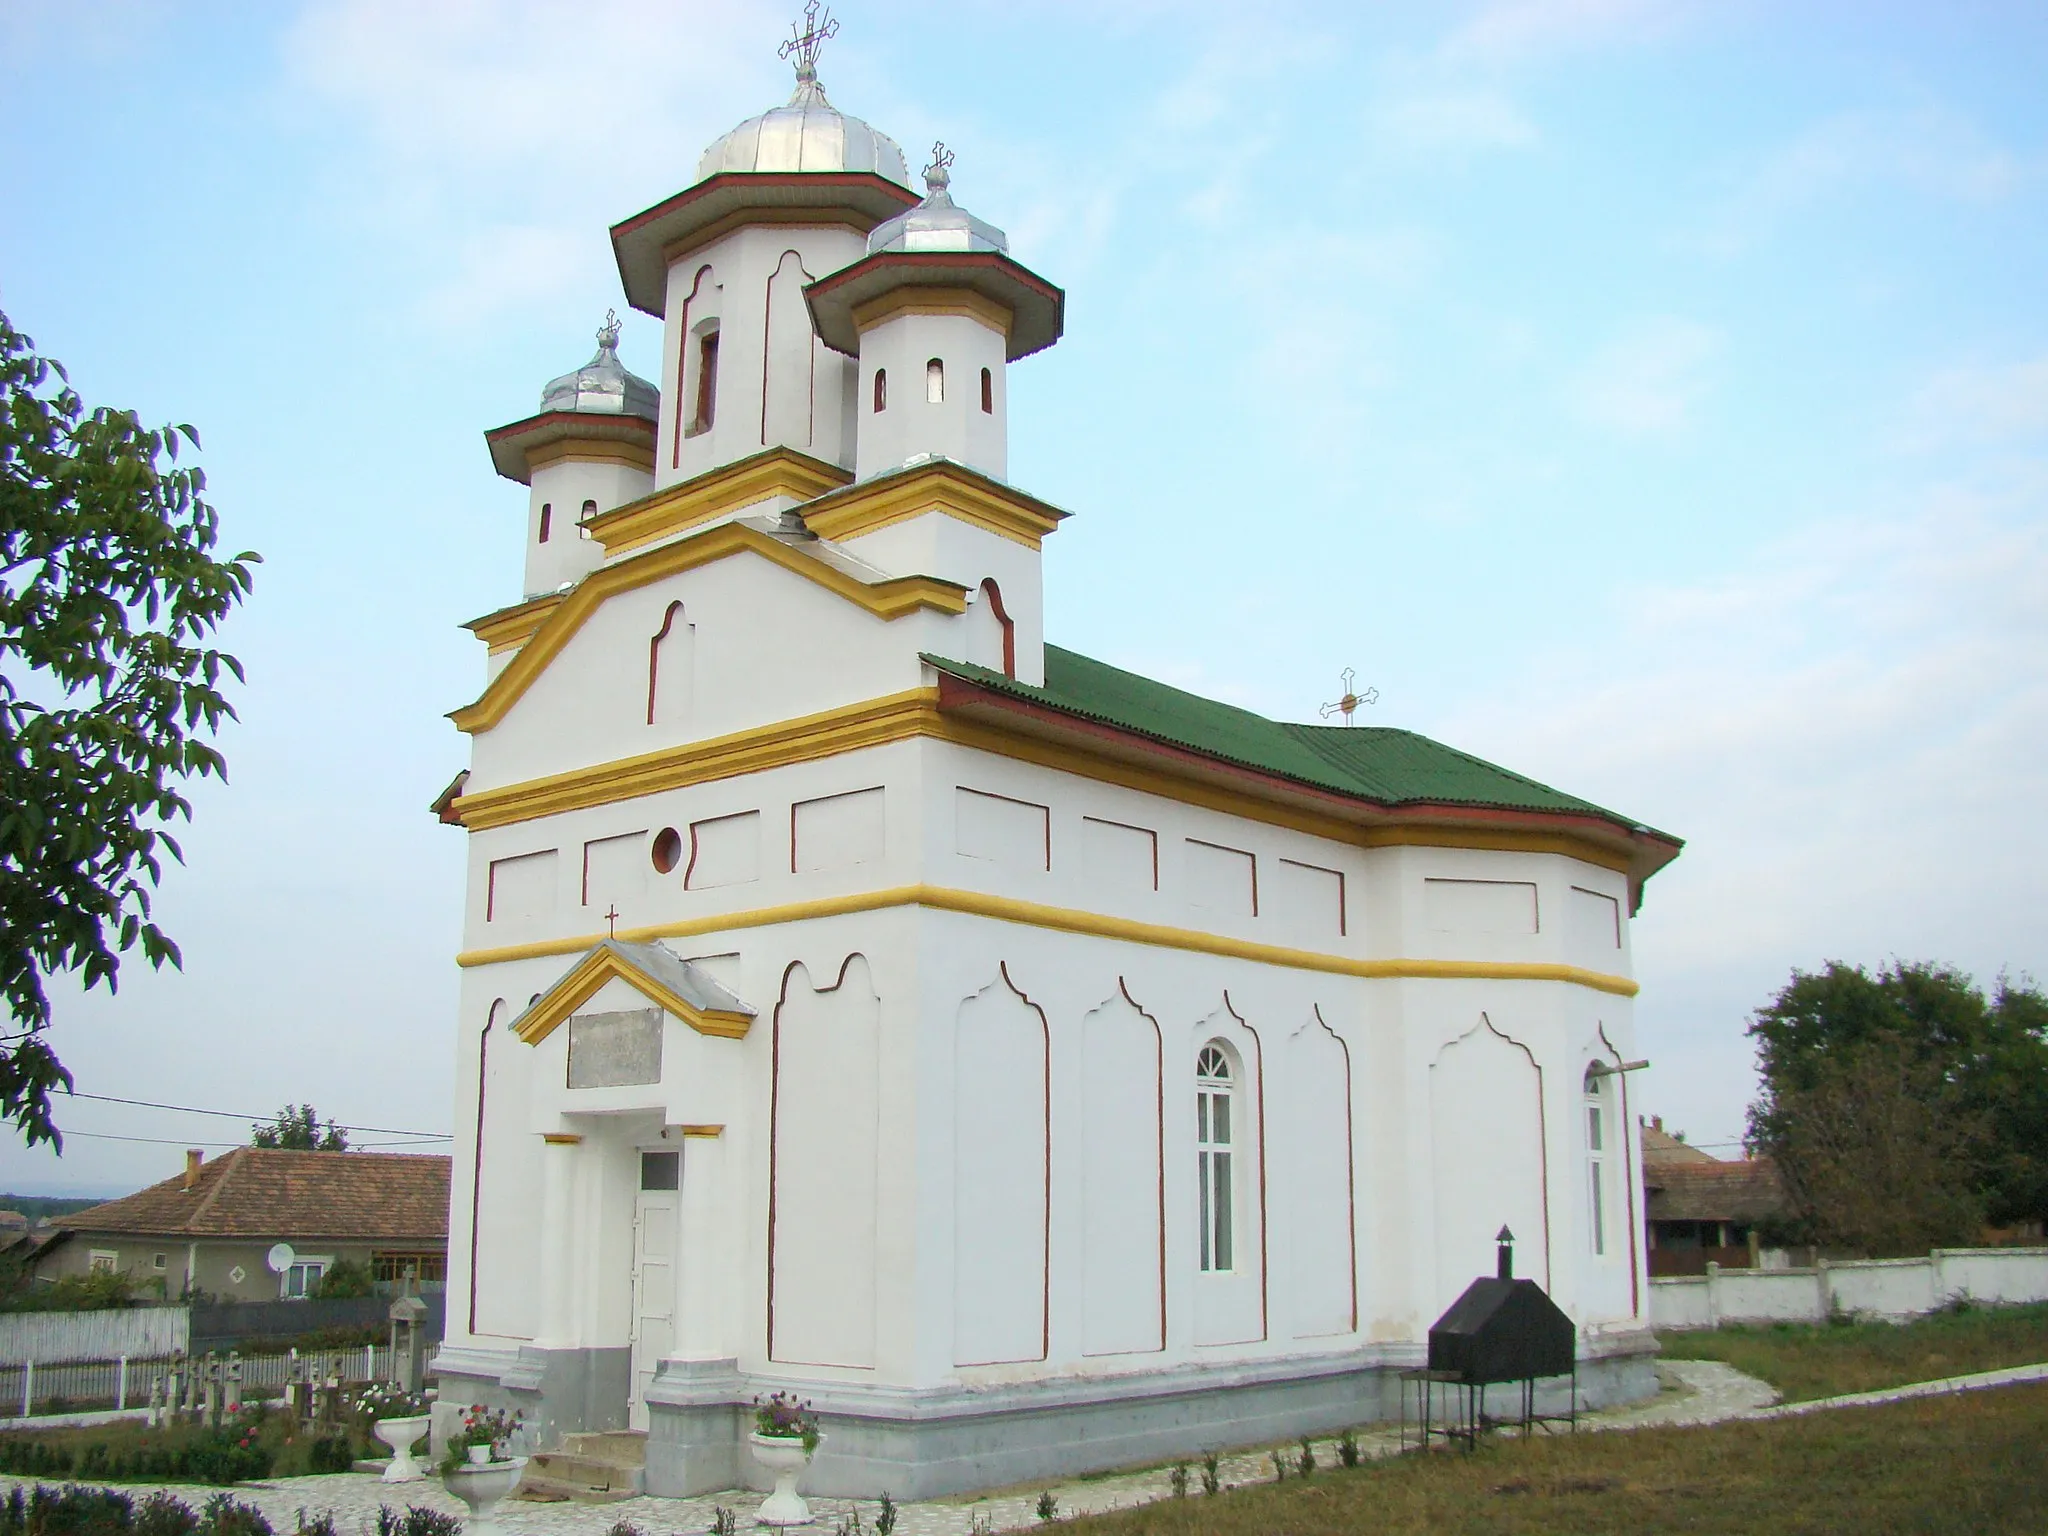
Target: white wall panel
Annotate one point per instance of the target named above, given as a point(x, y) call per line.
point(999, 1178)
point(1122, 1305)
point(1316, 1177)
point(837, 831)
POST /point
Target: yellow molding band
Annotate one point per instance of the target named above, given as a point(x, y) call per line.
point(939, 487)
point(886, 600)
point(602, 965)
point(561, 1139)
point(915, 713)
point(513, 626)
point(777, 472)
point(876, 722)
point(935, 301)
point(702, 1130)
point(592, 450)
point(1068, 920)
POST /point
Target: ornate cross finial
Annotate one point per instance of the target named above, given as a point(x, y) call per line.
point(1348, 705)
point(608, 333)
point(936, 177)
point(803, 46)
point(612, 919)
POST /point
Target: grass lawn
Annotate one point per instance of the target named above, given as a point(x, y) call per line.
point(1972, 1463)
point(1809, 1360)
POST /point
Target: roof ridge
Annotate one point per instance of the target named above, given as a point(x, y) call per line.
point(227, 1163)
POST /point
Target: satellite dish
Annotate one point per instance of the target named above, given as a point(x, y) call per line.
point(279, 1258)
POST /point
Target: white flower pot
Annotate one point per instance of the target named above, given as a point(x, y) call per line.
point(785, 1457)
point(401, 1435)
point(479, 1455)
point(481, 1487)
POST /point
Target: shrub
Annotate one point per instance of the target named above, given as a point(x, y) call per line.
point(219, 1457)
point(416, 1521)
point(1347, 1448)
point(1212, 1475)
point(162, 1514)
point(225, 1515)
point(331, 1453)
point(345, 1277)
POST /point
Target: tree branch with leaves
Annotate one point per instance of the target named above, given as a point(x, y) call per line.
point(109, 695)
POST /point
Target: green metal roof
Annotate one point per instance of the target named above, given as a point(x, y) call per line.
point(1379, 764)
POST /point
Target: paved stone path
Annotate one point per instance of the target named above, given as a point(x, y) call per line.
point(1694, 1392)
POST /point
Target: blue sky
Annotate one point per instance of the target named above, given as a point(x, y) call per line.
point(1650, 396)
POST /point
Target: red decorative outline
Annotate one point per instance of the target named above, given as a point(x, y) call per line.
point(1542, 1122)
point(1265, 1253)
point(668, 620)
point(811, 381)
point(683, 367)
point(994, 594)
point(1628, 1171)
point(476, 1186)
point(1315, 1017)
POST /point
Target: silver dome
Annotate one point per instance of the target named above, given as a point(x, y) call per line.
point(602, 386)
point(937, 223)
point(806, 134)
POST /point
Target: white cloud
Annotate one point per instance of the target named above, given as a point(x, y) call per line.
point(1507, 31)
point(1459, 120)
point(1649, 380)
point(1982, 402)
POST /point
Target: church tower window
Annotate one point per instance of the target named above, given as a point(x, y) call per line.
point(583, 523)
point(935, 382)
point(1596, 1157)
point(881, 389)
point(1213, 1091)
point(707, 383)
point(988, 393)
point(547, 513)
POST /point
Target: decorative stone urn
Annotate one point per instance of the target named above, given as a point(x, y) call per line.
point(785, 1456)
point(401, 1435)
point(480, 1486)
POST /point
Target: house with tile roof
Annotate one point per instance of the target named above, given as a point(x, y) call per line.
point(1035, 1066)
point(1700, 1209)
point(211, 1229)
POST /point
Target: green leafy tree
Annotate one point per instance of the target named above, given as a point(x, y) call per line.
point(345, 1277)
point(1903, 1108)
point(297, 1128)
point(109, 591)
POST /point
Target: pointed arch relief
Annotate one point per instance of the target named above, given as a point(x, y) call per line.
point(1625, 1136)
point(1490, 1158)
point(1123, 1236)
point(788, 351)
point(671, 668)
point(824, 1159)
point(1317, 1148)
point(1002, 1146)
point(991, 632)
point(503, 1238)
point(1230, 1180)
point(689, 352)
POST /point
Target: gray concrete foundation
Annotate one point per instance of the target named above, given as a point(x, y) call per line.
point(556, 1391)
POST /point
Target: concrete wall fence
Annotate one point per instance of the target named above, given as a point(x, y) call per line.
point(1890, 1289)
point(142, 1333)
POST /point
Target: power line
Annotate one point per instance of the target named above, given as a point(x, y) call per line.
point(155, 1141)
point(222, 1114)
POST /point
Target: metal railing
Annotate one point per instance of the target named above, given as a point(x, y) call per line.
point(83, 1386)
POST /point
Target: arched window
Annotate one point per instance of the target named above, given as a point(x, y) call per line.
point(1213, 1089)
point(1596, 1156)
point(988, 393)
point(935, 381)
point(881, 388)
point(707, 383)
point(583, 523)
point(547, 513)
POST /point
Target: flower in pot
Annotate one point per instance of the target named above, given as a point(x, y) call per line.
point(398, 1418)
point(477, 1468)
point(785, 1434)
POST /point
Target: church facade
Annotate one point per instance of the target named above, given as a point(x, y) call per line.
point(1033, 1066)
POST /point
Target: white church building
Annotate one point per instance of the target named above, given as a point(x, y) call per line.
point(1034, 1066)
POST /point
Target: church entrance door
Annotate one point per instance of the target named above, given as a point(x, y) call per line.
point(654, 1271)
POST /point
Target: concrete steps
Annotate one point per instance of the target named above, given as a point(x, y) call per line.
point(588, 1469)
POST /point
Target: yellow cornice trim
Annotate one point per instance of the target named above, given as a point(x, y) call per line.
point(592, 450)
point(702, 1130)
point(1091, 924)
point(894, 717)
point(937, 487)
point(561, 1139)
point(513, 626)
point(915, 713)
point(935, 301)
point(715, 493)
point(603, 964)
point(890, 599)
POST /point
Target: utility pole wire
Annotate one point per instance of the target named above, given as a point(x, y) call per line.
point(222, 1114)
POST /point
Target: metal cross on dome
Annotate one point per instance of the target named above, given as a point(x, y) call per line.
point(1348, 705)
point(804, 45)
point(937, 175)
point(612, 919)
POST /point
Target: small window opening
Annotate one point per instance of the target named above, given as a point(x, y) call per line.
point(547, 515)
point(935, 381)
point(668, 850)
point(661, 1170)
point(583, 523)
point(707, 383)
point(1596, 1158)
point(881, 388)
point(1212, 1156)
point(988, 393)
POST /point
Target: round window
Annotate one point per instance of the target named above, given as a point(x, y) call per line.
point(668, 849)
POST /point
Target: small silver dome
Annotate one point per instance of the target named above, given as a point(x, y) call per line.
point(602, 386)
point(937, 223)
point(807, 133)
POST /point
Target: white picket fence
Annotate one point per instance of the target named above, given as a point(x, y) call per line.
point(51, 1338)
point(71, 1386)
point(1893, 1289)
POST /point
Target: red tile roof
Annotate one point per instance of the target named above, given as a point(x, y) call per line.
point(1743, 1190)
point(263, 1195)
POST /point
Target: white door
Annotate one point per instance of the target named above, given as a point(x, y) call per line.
point(654, 1271)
